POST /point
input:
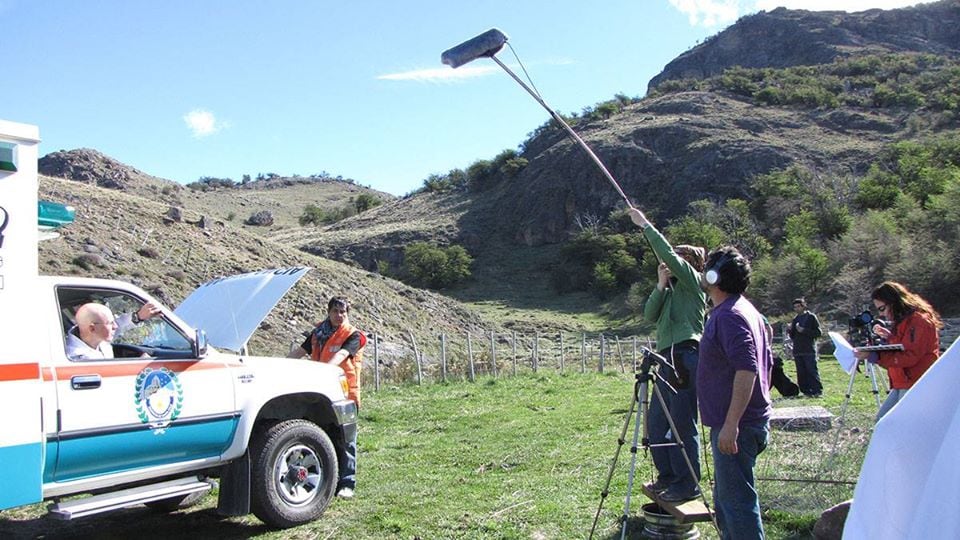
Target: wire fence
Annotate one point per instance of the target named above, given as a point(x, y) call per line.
point(469, 356)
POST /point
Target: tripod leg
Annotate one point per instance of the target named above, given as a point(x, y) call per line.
point(841, 422)
point(616, 456)
point(873, 380)
point(633, 459)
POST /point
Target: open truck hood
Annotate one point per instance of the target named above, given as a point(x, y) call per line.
point(230, 309)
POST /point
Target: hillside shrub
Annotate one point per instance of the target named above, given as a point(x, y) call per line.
point(599, 261)
point(312, 215)
point(434, 266)
point(365, 201)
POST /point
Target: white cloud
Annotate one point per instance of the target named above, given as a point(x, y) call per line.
point(202, 123)
point(837, 5)
point(708, 12)
point(444, 74)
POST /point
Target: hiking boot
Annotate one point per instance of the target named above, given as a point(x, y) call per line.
point(675, 494)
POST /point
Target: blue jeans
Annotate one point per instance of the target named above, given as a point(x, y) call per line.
point(672, 469)
point(892, 399)
point(347, 458)
point(734, 493)
point(808, 378)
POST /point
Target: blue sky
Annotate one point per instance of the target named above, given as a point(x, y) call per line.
point(182, 89)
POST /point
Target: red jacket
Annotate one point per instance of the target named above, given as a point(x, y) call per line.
point(921, 348)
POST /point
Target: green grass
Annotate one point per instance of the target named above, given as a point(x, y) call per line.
point(522, 457)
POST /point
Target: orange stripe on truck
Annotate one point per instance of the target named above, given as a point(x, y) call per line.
point(109, 368)
point(19, 372)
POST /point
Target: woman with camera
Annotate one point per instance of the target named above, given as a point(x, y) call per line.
point(916, 326)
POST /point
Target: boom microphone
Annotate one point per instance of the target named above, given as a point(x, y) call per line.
point(485, 45)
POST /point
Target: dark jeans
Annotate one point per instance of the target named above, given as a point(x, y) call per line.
point(671, 467)
point(347, 458)
point(808, 378)
point(734, 492)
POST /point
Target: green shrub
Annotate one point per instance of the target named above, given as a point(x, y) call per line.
point(601, 262)
point(365, 201)
point(312, 215)
point(435, 267)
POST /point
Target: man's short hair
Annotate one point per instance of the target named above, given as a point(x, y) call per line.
point(800, 301)
point(734, 269)
point(340, 302)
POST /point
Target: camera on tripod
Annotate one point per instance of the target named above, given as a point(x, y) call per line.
point(860, 329)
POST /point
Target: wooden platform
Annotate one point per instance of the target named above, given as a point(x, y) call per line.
point(813, 418)
point(686, 512)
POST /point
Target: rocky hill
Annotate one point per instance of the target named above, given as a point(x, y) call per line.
point(97, 169)
point(782, 38)
point(280, 200)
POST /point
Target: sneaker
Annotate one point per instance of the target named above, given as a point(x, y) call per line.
point(659, 485)
point(673, 494)
point(345, 493)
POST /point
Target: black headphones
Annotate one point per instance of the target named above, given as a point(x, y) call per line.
point(712, 275)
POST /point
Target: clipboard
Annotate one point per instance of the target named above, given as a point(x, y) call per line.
point(881, 348)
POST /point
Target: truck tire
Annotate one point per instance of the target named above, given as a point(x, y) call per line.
point(294, 473)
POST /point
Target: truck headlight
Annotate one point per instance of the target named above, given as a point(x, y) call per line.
point(344, 385)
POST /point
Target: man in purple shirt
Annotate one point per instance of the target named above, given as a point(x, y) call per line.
point(733, 387)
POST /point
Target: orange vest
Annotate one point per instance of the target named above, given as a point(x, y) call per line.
point(351, 366)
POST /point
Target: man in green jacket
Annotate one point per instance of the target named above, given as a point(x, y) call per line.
point(678, 304)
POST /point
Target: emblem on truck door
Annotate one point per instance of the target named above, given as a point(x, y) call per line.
point(158, 397)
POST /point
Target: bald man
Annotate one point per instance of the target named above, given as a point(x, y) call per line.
point(90, 338)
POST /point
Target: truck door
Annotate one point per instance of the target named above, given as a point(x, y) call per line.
point(150, 405)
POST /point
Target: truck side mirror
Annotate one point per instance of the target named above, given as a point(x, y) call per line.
point(200, 345)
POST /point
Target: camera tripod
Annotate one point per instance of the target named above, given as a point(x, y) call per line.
point(871, 370)
point(648, 372)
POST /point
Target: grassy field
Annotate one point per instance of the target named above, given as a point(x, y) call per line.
point(520, 457)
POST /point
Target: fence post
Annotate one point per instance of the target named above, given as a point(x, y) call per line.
point(623, 368)
point(493, 353)
point(416, 356)
point(583, 353)
point(634, 358)
point(470, 356)
point(443, 357)
point(376, 362)
point(561, 352)
point(600, 366)
point(514, 353)
point(536, 350)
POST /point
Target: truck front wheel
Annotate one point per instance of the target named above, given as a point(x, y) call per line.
point(294, 473)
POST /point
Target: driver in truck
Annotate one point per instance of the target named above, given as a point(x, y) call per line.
point(90, 338)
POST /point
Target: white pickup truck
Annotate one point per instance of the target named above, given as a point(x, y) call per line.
point(173, 410)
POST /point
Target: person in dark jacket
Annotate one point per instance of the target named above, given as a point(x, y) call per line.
point(804, 331)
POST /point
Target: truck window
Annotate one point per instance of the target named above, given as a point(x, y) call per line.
point(153, 338)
